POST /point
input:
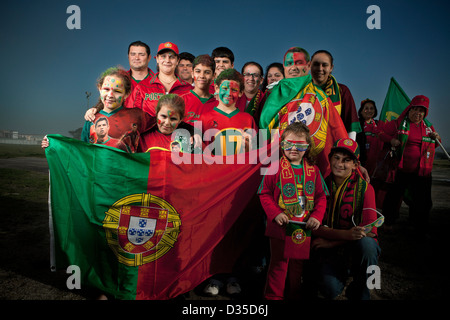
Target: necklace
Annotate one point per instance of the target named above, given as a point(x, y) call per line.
point(166, 81)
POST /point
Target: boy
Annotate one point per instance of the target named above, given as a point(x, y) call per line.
point(349, 234)
point(199, 100)
point(233, 125)
point(224, 59)
point(231, 138)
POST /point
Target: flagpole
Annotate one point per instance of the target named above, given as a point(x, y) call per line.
point(442, 147)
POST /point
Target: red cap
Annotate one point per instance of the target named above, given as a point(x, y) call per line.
point(349, 145)
point(421, 101)
point(168, 46)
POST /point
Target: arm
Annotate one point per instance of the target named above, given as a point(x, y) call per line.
point(267, 197)
point(320, 203)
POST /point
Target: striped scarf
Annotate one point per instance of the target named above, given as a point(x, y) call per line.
point(346, 201)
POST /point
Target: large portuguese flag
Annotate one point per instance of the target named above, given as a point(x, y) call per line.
point(140, 226)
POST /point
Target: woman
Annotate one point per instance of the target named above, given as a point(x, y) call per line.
point(340, 95)
point(146, 96)
point(252, 97)
point(415, 139)
point(274, 73)
point(368, 139)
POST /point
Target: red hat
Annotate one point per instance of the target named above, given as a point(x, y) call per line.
point(347, 144)
point(421, 101)
point(168, 46)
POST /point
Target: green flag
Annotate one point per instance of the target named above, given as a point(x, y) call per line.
point(395, 102)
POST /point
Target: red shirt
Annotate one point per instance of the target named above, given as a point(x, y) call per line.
point(228, 125)
point(195, 107)
point(412, 154)
point(146, 97)
point(145, 81)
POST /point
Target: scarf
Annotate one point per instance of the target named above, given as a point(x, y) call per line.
point(427, 147)
point(253, 105)
point(346, 201)
point(331, 88)
point(289, 191)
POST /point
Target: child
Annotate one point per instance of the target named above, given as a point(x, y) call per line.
point(297, 171)
point(169, 114)
point(349, 236)
point(199, 100)
point(113, 124)
point(238, 127)
point(223, 59)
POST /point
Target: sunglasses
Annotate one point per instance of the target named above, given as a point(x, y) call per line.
point(377, 223)
point(289, 144)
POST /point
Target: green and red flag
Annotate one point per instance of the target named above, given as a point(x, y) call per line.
point(299, 100)
point(140, 226)
point(395, 102)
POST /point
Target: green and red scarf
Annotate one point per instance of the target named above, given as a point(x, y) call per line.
point(351, 195)
point(427, 148)
point(290, 192)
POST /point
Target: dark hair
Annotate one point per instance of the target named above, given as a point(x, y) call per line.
point(230, 74)
point(298, 128)
point(101, 119)
point(298, 49)
point(172, 100)
point(223, 52)
point(363, 103)
point(118, 72)
point(277, 65)
point(139, 44)
point(253, 63)
point(326, 52)
point(205, 60)
point(187, 56)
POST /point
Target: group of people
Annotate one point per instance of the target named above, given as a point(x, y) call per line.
point(328, 150)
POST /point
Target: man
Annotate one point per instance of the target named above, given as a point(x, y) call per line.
point(146, 96)
point(296, 63)
point(139, 58)
point(185, 67)
point(223, 59)
point(295, 98)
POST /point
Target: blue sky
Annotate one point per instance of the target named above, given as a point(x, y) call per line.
point(47, 68)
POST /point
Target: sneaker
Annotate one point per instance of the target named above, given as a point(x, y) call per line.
point(233, 287)
point(213, 288)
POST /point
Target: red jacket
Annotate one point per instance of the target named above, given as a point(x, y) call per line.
point(146, 97)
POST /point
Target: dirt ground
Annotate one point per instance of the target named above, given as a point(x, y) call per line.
point(413, 264)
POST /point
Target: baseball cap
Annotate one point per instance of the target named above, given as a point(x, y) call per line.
point(168, 46)
point(421, 101)
point(348, 145)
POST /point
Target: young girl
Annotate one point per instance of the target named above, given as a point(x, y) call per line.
point(114, 125)
point(296, 192)
point(169, 116)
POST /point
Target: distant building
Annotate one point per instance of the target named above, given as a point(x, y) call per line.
point(14, 137)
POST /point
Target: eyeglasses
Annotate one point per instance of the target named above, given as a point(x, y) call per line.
point(253, 75)
point(289, 144)
point(377, 223)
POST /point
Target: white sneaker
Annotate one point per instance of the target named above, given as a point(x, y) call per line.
point(213, 288)
point(233, 287)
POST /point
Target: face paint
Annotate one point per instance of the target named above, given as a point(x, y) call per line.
point(112, 93)
point(295, 65)
point(167, 120)
point(290, 144)
point(229, 92)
